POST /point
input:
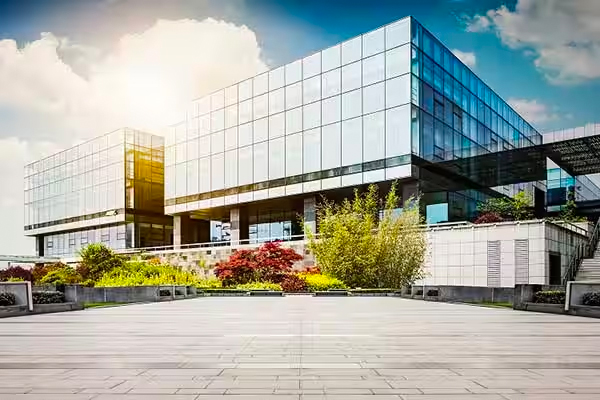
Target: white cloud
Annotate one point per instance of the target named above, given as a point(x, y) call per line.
point(562, 36)
point(533, 111)
point(468, 58)
point(55, 90)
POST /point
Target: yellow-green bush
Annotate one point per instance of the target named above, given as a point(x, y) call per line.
point(319, 282)
point(139, 273)
point(210, 283)
point(259, 286)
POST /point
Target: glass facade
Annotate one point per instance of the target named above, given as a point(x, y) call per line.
point(102, 190)
point(339, 117)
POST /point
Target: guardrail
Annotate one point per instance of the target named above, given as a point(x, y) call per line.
point(584, 250)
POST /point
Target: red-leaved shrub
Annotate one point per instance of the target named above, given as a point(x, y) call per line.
point(293, 283)
point(269, 263)
point(15, 272)
point(488, 218)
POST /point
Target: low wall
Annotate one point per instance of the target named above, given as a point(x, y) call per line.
point(466, 293)
point(129, 294)
point(523, 294)
point(576, 290)
point(22, 292)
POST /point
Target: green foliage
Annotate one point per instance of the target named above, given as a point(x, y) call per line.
point(549, 297)
point(7, 299)
point(320, 282)
point(140, 273)
point(210, 283)
point(15, 279)
point(63, 276)
point(591, 299)
point(100, 305)
point(48, 297)
point(517, 208)
point(97, 260)
point(568, 212)
point(260, 286)
point(41, 270)
point(364, 248)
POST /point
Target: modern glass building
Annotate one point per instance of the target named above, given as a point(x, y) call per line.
point(391, 104)
point(109, 189)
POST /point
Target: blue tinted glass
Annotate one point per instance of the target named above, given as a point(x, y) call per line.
point(427, 44)
point(437, 213)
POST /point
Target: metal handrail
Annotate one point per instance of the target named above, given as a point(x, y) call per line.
point(583, 250)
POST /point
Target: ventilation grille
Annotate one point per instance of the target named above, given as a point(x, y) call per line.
point(493, 263)
point(522, 261)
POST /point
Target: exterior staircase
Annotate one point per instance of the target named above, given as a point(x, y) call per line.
point(589, 270)
point(585, 261)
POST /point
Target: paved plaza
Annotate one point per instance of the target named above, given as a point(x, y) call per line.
point(299, 347)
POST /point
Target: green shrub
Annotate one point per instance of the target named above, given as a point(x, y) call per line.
point(48, 297)
point(549, 297)
point(15, 279)
point(591, 299)
point(260, 286)
point(320, 282)
point(96, 260)
point(61, 276)
point(140, 273)
point(210, 283)
point(7, 299)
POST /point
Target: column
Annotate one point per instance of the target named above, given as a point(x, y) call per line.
point(178, 231)
point(238, 218)
point(310, 214)
point(39, 245)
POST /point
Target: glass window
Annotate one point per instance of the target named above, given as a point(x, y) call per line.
point(261, 84)
point(180, 185)
point(311, 65)
point(204, 125)
point(293, 121)
point(332, 83)
point(397, 91)
point(231, 95)
point(204, 146)
point(332, 110)
point(331, 58)
point(312, 115)
point(276, 101)
point(293, 95)
point(374, 136)
point(312, 150)
point(261, 162)
point(217, 120)
point(276, 125)
point(261, 106)
point(373, 69)
point(231, 116)
point(397, 61)
point(231, 138)
point(217, 100)
point(245, 111)
point(351, 104)
point(217, 171)
point(352, 141)
point(245, 134)
point(397, 133)
point(192, 177)
point(245, 90)
point(277, 78)
point(181, 154)
point(373, 42)
point(203, 105)
point(231, 168)
point(437, 213)
point(245, 166)
point(293, 72)
point(374, 98)
point(261, 130)
point(277, 158)
point(293, 154)
point(351, 76)
point(217, 142)
point(192, 149)
point(351, 50)
point(312, 89)
point(397, 33)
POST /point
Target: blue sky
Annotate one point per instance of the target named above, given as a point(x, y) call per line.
point(287, 30)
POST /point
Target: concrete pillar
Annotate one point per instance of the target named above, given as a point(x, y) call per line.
point(408, 190)
point(178, 230)
point(187, 230)
point(238, 218)
point(310, 214)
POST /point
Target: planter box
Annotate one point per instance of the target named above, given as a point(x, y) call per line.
point(585, 311)
point(19, 311)
point(545, 308)
point(271, 293)
point(332, 293)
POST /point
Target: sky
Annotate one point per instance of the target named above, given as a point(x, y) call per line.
point(75, 69)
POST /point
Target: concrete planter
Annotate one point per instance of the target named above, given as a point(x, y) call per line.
point(332, 293)
point(19, 311)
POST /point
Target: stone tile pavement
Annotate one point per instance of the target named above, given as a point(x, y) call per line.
point(299, 348)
